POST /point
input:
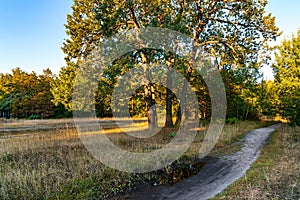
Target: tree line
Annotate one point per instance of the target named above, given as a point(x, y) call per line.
point(235, 33)
point(28, 95)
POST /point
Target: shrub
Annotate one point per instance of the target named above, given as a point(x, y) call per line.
point(34, 116)
point(232, 120)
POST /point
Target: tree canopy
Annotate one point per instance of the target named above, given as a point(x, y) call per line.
point(287, 77)
point(234, 32)
point(26, 95)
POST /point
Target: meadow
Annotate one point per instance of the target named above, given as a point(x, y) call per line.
point(54, 163)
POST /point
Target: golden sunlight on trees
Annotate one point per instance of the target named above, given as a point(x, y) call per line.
point(234, 32)
point(26, 95)
point(287, 78)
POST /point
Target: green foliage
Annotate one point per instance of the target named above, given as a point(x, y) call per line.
point(103, 186)
point(35, 116)
point(213, 24)
point(172, 134)
point(269, 98)
point(233, 120)
point(25, 95)
point(242, 93)
point(61, 87)
point(287, 78)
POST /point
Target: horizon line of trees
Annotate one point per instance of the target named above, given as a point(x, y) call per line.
point(236, 33)
point(28, 95)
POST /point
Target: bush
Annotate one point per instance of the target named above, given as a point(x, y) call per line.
point(232, 120)
point(34, 116)
point(172, 134)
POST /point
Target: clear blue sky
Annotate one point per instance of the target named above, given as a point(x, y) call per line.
point(32, 31)
point(287, 19)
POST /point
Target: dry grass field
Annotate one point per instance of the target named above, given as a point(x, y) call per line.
point(54, 164)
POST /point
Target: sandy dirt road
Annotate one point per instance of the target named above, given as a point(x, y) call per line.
point(216, 175)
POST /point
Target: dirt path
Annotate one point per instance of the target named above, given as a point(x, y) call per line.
point(216, 175)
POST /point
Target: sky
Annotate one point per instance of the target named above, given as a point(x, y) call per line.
point(32, 32)
point(287, 18)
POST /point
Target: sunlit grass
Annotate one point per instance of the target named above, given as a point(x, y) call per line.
point(55, 164)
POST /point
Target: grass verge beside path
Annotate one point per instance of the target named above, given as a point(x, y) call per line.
point(58, 166)
point(275, 174)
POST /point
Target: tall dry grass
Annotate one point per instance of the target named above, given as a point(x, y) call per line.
point(54, 164)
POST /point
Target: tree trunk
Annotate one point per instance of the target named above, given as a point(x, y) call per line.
point(169, 98)
point(178, 116)
point(150, 96)
point(148, 88)
point(182, 110)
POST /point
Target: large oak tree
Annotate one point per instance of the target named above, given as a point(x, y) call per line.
point(235, 32)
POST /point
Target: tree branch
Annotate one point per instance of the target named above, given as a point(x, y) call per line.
point(137, 25)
